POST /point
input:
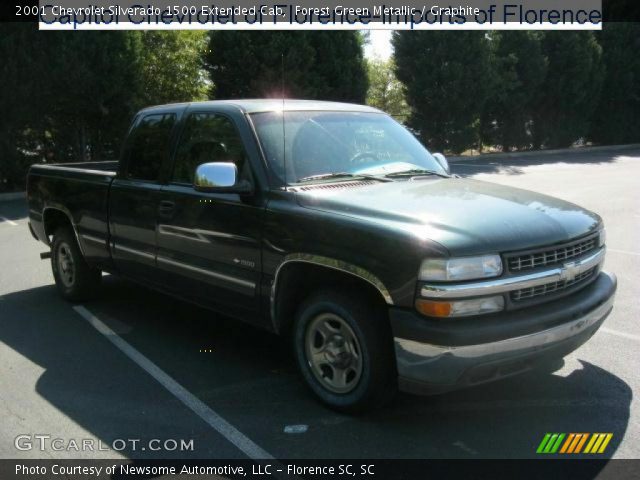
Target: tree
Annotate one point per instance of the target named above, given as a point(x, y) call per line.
point(19, 96)
point(518, 70)
point(96, 80)
point(385, 91)
point(617, 117)
point(444, 77)
point(315, 65)
point(570, 93)
point(72, 97)
point(172, 66)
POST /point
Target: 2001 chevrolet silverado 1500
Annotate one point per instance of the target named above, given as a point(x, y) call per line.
point(331, 223)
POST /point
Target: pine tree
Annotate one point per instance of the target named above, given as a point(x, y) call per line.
point(617, 117)
point(519, 69)
point(444, 74)
point(96, 80)
point(314, 65)
point(571, 91)
point(23, 93)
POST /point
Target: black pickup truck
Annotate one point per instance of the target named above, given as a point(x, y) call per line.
point(332, 224)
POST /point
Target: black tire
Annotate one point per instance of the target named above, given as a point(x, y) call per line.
point(376, 383)
point(75, 279)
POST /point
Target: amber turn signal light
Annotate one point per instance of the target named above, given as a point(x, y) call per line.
point(460, 308)
point(433, 309)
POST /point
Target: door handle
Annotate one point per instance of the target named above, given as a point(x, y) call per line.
point(166, 209)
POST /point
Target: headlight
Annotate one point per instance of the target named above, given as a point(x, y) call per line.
point(460, 308)
point(463, 268)
point(602, 238)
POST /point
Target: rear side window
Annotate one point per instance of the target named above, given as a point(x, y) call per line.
point(149, 146)
point(208, 137)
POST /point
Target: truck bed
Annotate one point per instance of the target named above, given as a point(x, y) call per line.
point(80, 191)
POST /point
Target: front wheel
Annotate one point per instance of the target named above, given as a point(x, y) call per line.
point(344, 350)
point(75, 279)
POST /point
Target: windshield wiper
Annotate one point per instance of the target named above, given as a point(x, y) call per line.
point(416, 172)
point(327, 176)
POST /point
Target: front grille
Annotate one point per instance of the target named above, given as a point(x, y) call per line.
point(549, 288)
point(545, 257)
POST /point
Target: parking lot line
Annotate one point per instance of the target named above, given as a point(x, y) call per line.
point(623, 251)
point(224, 428)
point(630, 336)
point(10, 222)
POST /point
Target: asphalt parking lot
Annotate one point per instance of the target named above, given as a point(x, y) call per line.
point(64, 378)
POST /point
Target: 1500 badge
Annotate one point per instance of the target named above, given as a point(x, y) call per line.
point(244, 263)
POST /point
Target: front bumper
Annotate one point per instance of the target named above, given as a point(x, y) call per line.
point(434, 356)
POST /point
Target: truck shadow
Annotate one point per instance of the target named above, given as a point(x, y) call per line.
point(515, 164)
point(248, 377)
point(13, 210)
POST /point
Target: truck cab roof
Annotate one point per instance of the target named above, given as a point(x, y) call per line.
point(272, 105)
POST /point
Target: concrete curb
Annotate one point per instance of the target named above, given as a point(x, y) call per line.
point(533, 153)
point(6, 197)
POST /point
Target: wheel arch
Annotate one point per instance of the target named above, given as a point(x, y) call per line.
point(56, 217)
point(299, 274)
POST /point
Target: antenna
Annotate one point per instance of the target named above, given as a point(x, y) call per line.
point(284, 141)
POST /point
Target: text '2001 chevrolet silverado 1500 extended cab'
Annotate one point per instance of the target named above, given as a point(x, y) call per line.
point(331, 223)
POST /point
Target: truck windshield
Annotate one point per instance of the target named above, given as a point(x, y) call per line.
point(310, 145)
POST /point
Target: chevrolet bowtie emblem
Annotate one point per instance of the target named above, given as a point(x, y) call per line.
point(569, 271)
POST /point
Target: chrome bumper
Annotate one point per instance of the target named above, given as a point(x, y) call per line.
point(428, 368)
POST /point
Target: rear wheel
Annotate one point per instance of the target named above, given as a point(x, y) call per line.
point(344, 350)
point(75, 279)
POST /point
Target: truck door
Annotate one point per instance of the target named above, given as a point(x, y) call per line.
point(209, 243)
point(135, 196)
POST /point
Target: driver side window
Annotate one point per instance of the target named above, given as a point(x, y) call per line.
point(207, 138)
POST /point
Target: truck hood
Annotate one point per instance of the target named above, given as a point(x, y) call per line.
point(465, 216)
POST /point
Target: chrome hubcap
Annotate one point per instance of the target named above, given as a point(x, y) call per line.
point(333, 353)
point(66, 267)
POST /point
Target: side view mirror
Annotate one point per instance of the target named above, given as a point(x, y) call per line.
point(219, 177)
point(442, 160)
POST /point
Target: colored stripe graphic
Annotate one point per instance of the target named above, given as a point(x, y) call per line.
point(605, 443)
point(594, 437)
point(598, 443)
point(596, 446)
point(579, 437)
point(581, 443)
point(556, 445)
point(550, 443)
point(574, 442)
point(543, 443)
point(565, 447)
